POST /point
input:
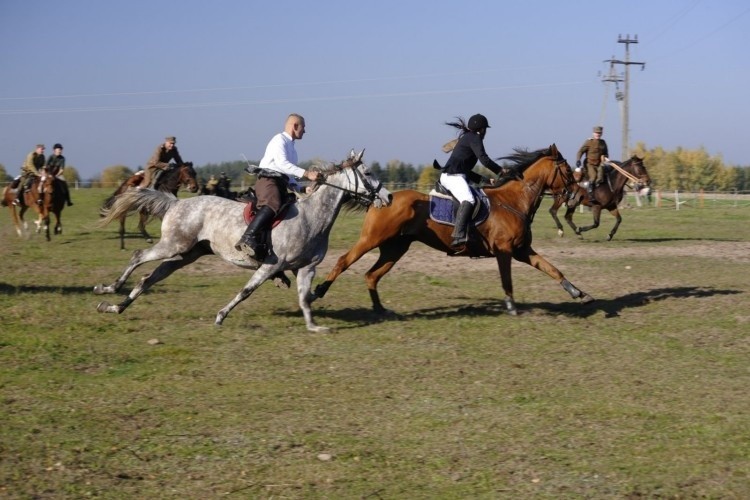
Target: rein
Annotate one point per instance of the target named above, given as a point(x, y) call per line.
point(627, 175)
point(372, 192)
point(530, 219)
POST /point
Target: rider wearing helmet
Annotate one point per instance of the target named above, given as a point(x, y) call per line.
point(466, 152)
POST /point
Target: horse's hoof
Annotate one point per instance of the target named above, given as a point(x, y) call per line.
point(609, 238)
point(99, 290)
point(318, 329)
point(560, 233)
point(220, 318)
point(104, 307)
point(149, 240)
point(587, 299)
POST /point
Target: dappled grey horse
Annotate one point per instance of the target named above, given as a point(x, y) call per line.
point(205, 225)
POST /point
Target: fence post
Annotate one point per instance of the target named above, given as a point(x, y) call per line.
point(676, 199)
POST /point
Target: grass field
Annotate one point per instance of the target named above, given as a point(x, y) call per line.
point(642, 394)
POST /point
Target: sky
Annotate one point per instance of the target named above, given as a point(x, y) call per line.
point(109, 80)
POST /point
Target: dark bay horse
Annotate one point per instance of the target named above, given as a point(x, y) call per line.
point(53, 202)
point(171, 181)
point(205, 225)
point(505, 235)
point(607, 195)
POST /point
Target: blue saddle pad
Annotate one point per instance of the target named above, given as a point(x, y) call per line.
point(442, 208)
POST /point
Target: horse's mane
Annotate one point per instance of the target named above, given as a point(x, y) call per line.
point(328, 168)
point(522, 158)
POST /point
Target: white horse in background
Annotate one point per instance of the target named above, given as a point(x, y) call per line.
point(205, 225)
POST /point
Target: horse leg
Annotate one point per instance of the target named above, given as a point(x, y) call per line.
point(305, 277)
point(569, 219)
point(122, 232)
point(16, 219)
point(162, 250)
point(616, 213)
point(391, 252)
point(553, 212)
point(58, 224)
point(360, 248)
point(162, 271)
point(143, 217)
point(506, 279)
point(263, 273)
point(527, 255)
point(596, 212)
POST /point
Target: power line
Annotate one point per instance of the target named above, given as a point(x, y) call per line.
point(285, 85)
point(277, 101)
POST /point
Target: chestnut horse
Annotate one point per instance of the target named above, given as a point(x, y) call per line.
point(504, 235)
point(53, 201)
point(171, 181)
point(607, 195)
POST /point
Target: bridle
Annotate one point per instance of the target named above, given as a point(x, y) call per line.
point(566, 175)
point(568, 180)
point(361, 198)
point(635, 180)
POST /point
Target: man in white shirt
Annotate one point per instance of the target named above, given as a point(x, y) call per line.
point(278, 171)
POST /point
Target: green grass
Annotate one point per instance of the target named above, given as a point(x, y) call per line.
point(641, 394)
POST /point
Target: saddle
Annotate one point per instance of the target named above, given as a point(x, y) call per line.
point(250, 201)
point(443, 206)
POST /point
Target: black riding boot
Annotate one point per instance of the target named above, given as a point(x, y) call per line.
point(249, 242)
point(460, 234)
point(67, 193)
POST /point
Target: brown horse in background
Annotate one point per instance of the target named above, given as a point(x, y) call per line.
point(607, 195)
point(505, 235)
point(170, 181)
point(53, 201)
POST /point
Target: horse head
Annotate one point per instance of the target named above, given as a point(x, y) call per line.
point(545, 168)
point(639, 171)
point(631, 172)
point(188, 177)
point(355, 178)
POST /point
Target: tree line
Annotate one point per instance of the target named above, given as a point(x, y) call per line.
point(679, 169)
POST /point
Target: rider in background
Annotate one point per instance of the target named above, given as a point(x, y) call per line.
point(277, 171)
point(595, 149)
point(224, 185)
point(56, 168)
point(466, 152)
point(31, 168)
point(159, 161)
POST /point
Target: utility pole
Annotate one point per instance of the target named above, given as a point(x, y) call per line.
point(624, 96)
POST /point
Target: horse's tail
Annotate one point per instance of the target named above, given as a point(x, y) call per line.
point(152, 202)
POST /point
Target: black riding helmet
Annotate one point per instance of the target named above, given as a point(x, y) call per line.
point(477, 122)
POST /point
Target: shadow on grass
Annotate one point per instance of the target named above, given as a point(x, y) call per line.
point(671, 240)
point(490, 307)
point(8, 289)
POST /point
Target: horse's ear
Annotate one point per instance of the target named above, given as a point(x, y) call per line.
point(359, 156)
point(553, 150)
point(351, 153)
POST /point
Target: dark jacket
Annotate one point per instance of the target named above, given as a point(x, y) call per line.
point(463, 159)
point(55, 164)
